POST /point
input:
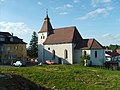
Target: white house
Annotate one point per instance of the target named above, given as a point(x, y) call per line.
point(66, 45)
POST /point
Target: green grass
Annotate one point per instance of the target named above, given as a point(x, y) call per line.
point(69, 77)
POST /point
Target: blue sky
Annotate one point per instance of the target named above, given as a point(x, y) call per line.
point(99, 19)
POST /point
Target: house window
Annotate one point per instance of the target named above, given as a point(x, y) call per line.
point(15, 48)
point(8, 48)
point(48, 48)
point(95, 54)
point(53, 56)
point(13, 56)
point(66, 54)
point(11, 39)
point(85, 53)
point(2, 48)
point(2, 39)
point(43, 37)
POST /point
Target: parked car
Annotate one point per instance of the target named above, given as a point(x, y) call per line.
point(34, 60)
point(17, 64)
point(50, 62)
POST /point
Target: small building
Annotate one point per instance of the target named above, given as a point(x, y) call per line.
point(112, 60)
point(112, 56)
point(11, 48)
point(66, 46)
point(118, 51)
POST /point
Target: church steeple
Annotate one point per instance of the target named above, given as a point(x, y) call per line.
point(46, 27)
point(47, 14)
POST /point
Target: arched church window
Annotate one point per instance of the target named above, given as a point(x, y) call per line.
point(43, 37)
point(66, 54)
point(53, 54)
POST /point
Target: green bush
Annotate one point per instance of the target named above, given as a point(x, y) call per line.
point(87, 57)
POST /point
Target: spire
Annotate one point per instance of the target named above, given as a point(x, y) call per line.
point(47, 27)
point(47, 18)
point(46, 12)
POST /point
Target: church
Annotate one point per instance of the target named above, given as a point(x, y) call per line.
point(66, 45)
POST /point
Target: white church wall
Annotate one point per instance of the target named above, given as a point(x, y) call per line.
point(59, 52)
point(41, 38)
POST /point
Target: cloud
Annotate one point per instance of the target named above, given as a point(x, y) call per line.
point(110, 39)
point(66, 6)
point(39, 3)
point(92, 14)
point(63, 13)
point(2, 0)
point(17, 28)
point(76, 1)
point(109, 36)
point(95, 2)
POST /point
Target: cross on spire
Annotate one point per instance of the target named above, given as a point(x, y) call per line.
point(46, 12)
point(47, 18)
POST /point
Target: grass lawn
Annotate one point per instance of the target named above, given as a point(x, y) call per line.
point(69, 77)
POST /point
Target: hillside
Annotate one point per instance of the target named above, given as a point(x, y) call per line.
point(68, 77)
point(16, 82)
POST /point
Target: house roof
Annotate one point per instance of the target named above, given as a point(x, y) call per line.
point(7, 37)
point(46, 27)
point(5, 34)
point(64, 35)
point(118, 51)
point(112, 54)
point(89, 44)
point(67, 35)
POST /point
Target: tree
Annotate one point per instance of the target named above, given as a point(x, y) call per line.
point(113, 47)
point(84, 57)
point(33, 46)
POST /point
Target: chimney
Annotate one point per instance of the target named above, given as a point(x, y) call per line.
point(12, 34)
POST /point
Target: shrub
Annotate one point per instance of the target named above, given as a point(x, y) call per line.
point(87, 57)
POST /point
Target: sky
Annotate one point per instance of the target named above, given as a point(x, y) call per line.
point(99, 19)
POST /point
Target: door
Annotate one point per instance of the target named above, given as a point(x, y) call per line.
point(0, 59)
point(59, 61)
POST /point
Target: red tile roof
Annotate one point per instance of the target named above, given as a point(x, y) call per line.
point(112, 54)
point(89, 44)
point(46, 27)
point(118, 51)
point(64, 35)
point(67, 35)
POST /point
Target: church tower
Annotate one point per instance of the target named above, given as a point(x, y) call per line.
point(44, 32)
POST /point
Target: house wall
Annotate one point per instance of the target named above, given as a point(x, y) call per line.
point(11, 52)
point(77, 55)
point(59, 52)
point(88, 52)
point(99, 60)
point(41, 40)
